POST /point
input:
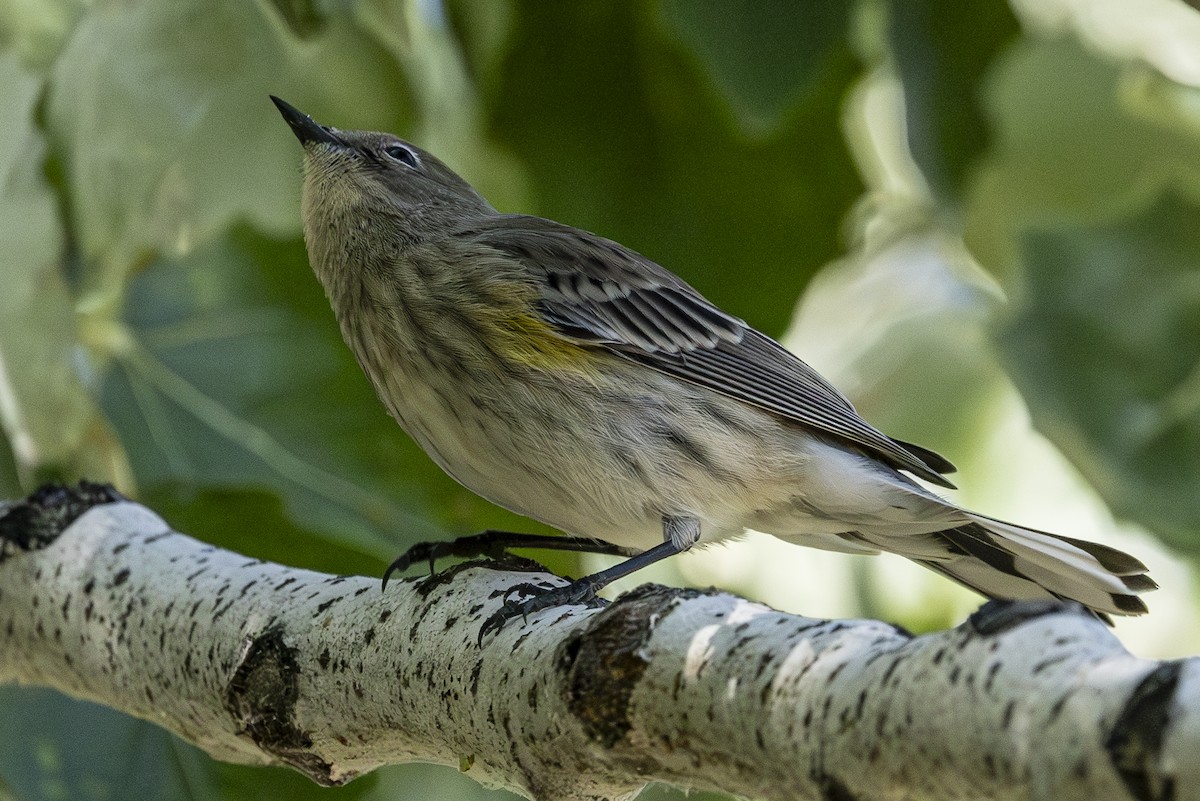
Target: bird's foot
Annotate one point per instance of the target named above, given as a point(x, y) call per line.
point(581, 591)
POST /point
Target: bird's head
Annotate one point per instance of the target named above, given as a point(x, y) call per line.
point(352, 178)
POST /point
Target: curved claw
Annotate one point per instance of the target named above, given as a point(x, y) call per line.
point(422, 551)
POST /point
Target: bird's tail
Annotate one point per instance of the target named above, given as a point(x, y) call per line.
point(1002, 560)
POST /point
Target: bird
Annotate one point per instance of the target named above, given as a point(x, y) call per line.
point(572, 380)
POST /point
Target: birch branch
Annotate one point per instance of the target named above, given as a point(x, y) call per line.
point(264, 664)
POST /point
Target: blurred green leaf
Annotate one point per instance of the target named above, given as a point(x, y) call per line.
point(10, 485)
point(1105, 346)
point(1073, 144)
point(302, 17)
point(167, 138)
point(45, 409)
point(255, 523)
point(432, 783)
point(623, 136)
point(32, 31)
point(1085, 210)
point(904, 324)
point(663, 792)
point(763, 55)
point(484, 28)
point(943, 50)
point(78, 751)
point(248, 783)
point(83, 752)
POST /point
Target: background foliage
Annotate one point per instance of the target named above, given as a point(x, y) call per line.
point(993, 209)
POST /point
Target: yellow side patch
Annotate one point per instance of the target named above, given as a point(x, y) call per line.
point(533, 343)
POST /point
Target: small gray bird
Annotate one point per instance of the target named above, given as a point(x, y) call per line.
point(569, 379)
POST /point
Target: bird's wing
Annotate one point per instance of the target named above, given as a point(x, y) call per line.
point(598, 292)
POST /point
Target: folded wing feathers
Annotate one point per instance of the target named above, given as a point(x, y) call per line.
point(779, 387)
point(614, 297)
point(597, 291)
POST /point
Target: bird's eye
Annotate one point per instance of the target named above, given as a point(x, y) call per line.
point(402, 154)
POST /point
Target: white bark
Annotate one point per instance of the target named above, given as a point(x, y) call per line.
point(260, 663)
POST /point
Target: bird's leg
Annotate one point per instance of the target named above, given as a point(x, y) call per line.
point(679, 534)
point(495, 544)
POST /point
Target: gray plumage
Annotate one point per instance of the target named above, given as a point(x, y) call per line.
point(570, 379)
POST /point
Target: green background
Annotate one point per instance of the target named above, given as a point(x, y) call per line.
point(993, 210)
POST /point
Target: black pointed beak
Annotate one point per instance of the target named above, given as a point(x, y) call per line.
point(306, 129)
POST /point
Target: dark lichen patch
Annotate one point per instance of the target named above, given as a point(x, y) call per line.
point(604, 663)
point(261, 697)
point(35, 522)
point(1135, 743)
point(995, 616)
point(833, 789)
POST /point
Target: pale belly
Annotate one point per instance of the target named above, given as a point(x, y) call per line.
point(602, 463)
point(595, 458)
point(614, 475)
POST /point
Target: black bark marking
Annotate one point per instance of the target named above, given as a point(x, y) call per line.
point(833, 789)
point(997, 616)
point(324, 605)
point(261, 698)
point(1135, 743)
point(603, 664)
point(35, 522)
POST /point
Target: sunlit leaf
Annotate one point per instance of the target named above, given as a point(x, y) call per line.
point(1070, 146)
point(33, 30)
point(449, 118)
point(45, 409)
point(167, 138)
point(1105, 346)
point(1084, 210)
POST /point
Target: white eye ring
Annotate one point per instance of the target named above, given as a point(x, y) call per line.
point(401, 154)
